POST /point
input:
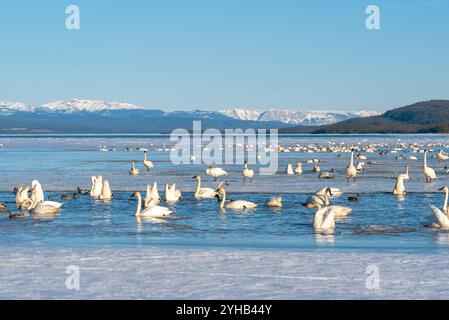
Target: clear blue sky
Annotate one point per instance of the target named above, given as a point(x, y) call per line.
point(183, 54)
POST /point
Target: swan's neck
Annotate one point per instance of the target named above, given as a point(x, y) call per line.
point(133, 166)
point(406, 172)
point(198, 186)
point(326, 199)
point(425, 160)
point(145, 156)
point(351, 162)
point(223, 199)
point(139, 204)
point(445, 202)
point(246, 165)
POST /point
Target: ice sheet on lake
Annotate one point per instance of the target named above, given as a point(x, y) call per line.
point(169, 273)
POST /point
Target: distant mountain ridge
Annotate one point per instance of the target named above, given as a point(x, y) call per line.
point(96, 116)
point(301, 117)
point(422, 117)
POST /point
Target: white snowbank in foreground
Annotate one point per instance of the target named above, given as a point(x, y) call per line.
point(164, 273)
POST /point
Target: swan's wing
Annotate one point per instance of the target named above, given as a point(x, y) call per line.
point(340, 210)
point(442, 219)
point(328, 220)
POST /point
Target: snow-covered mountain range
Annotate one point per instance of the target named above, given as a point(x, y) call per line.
point(297, 117)
point(290, 117)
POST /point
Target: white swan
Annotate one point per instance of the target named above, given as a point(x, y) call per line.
point(147, 163)
point(43, 207)
point(152, 196)
point(399, 188)
point(429, 173)
point(22, 194)
point(442, 216)
point(298, 168)
point(216, 172)
point(154, 211)
point(289, 169)
point(133, 171)
point(247, 173)
point(203, 192)
point(38, 194)
point(236, 204)
point(106, 193)
point(171, 194)
point(324, 219)
point(336, 192)
point(323, 201)
point(351, 171)
point(97, 186)
point(275, 202)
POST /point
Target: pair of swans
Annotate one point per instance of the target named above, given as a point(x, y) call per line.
point(324, 218)
point(100, 188)
point(247, 173)
point(429, 173)
point(442, 216)
point(216, 172)
point(36, 203)
point(399, 188)
point(351, 171)
point(320, 197)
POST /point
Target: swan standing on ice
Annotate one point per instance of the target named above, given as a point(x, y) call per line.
point(171, 194)
point(429, 173)
point(442, 216)
point(216, 172)
point(201, 193)
point(133, 171)
point(236, 204)
point(154, 211)
point(351, 171)
point(247, 173)
point(147, 163)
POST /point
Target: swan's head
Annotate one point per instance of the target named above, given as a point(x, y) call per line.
point(329, 191)
point(223, 183)
point(34, 183)
point(220, 191)
point(136, 194)
point(196, 178)
point(445, 189)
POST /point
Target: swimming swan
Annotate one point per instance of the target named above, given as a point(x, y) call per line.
point(133, 171)
point(442, 216)
point(44, 207)
point(171, 194)
point(152, 196)
point(236, 204)
point(429, 173)
point(97, 186)
point(106, 193)
point(203, 192)
point(275, 202)
point(38, 194)
point(154, 211)
point(324, 219)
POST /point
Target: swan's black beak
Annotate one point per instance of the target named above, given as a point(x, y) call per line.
point(441, 189)
point(132, 196)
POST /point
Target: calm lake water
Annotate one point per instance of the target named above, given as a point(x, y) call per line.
point(379, 221)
